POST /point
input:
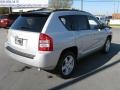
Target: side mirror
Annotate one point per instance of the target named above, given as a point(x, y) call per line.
point(103, 26)
point(109, 27)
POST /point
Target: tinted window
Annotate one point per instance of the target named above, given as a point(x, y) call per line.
point(93, 23)
point(33, 23)
point(3, 16)
point(75, 22)
point(13, 16)
point(67, 22)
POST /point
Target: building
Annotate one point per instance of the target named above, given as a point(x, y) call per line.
point(116, 16)
point(24, 9)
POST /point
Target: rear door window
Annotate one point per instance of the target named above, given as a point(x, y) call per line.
point(30, 22)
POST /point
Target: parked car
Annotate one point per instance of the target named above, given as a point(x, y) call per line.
point(55, 40)
point(6, 20)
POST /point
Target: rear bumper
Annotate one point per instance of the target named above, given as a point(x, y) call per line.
point(44, 60)
point(3, 25)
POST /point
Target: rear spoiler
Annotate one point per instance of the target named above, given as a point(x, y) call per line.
point(35, 14)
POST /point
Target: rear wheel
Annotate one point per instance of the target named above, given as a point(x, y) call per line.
point(66, 65)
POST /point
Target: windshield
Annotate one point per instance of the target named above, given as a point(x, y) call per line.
point(32, 23)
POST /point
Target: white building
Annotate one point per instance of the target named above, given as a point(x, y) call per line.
point(24, 9)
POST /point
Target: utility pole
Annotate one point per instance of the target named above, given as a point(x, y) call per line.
point(118, 7)
point(81, 4)
point(114, 6)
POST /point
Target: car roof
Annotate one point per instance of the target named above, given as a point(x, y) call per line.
point(45, 11)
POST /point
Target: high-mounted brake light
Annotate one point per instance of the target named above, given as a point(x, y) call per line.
point(45, 43)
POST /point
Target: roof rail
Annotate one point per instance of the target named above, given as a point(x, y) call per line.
point(41, 9)
point(66, 10)
point(50, 10)
point(69, 10)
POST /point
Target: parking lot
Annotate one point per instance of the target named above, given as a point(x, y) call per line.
point(95, 72)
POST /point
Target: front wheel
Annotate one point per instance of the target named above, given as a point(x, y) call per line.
point(66, 65)
point(107, 46)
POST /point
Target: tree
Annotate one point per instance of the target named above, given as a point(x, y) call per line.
point(56, 4)
point(4, 10)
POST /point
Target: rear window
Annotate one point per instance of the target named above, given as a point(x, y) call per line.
point(28, 22)
point(3, 16)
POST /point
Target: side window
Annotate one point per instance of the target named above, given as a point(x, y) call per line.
point(13, 17)
point(66, 21)
point(92, 23)
point(80, 22)
point(75, 22)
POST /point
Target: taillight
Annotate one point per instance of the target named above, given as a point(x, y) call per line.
point(5, 21)
point(45, 43)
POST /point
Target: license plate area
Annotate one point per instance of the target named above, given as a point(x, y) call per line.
point(19, 41)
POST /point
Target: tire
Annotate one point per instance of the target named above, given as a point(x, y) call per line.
point(107, 45)
point(66, 65)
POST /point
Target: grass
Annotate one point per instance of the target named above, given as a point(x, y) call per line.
point(115, 26)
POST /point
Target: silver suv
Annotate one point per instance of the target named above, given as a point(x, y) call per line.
point(55, 39)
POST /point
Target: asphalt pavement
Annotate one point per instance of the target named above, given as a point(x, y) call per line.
point(95, 72)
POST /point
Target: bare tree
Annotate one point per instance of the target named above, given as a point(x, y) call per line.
point(60, 4)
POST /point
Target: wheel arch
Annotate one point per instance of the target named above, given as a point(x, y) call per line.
point(109, 37)
point(73, 49)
